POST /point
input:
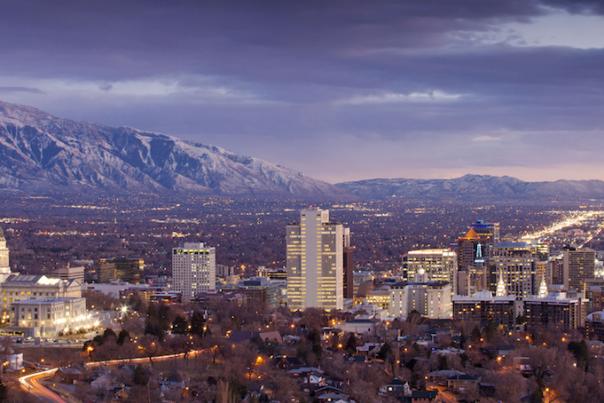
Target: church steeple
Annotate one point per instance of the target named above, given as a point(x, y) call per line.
point(4, 258)
point(501, 290)
point(543, 288)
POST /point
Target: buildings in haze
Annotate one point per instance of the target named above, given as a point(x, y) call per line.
point(129, 270)
point(71, 273)
point(514, 261)
point(315, 262)
point(431, 265)
point(193, 269)
point(578, 265)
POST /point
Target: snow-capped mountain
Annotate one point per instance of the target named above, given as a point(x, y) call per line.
point(477, 188)
point(40, 152)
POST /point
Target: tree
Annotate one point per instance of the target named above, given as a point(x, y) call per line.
point(3, 393)
point(315, 341)
point(580, 351)
point(180, 325)
point(109, 334)
point(198, 323)
point(123, 337)
point(351, 344)
point(141, 375)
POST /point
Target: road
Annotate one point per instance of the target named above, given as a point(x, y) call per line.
point(32, 383)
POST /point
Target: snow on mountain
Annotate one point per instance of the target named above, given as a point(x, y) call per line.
point(40, 152)
point(477, 188)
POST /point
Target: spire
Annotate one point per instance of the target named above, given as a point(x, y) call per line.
point(543, 288)
point(501, 291)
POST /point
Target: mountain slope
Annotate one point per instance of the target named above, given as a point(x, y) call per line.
point(476, 188)
point(40, 152)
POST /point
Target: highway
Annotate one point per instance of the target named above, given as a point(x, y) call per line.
point(32, 383)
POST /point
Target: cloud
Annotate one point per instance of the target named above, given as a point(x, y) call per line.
point(487, 139)
point(16, 89)
point(395, 97)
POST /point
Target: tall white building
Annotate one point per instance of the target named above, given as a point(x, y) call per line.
point(193, 269)
point(315, 261)
point(4, 258)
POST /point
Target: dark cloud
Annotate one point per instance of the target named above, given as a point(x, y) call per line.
point(295, 81)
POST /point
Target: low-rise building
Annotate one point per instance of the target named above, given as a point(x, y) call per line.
point(71, 273)
point(260, 291)
point(556, 310)
point(20, 287)
point(594, 325)
point(358, 326)
point(51, 317)
point(483, 307)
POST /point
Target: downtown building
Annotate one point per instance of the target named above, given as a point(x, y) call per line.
point(515, 263)
point(4, 258)
point(193, 270)
point(482, 307)
point(430, 299)
point(431, 265)
point(555, 310)
point(315, 262)
point(37, 305)
point(578, 265)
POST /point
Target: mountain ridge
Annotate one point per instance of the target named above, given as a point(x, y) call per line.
point(474, 187)
point(40, 152)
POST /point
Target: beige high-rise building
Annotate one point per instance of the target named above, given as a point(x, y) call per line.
point(193, 270)
point(4, 258)
point(578, 265)
point(432, 265)
point(315, 259)
point(513, 262)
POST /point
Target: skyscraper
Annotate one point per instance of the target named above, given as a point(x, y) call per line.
point(4, 258)
point(578, 265)
point(348, 266)
point(432, 265)
point(315, 260)
point(514, 263)
point(193, 269)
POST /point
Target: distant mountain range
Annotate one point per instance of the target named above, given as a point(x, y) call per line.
point(477, 188)
point(42, 153)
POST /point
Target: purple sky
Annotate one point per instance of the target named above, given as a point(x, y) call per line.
point(340, 89)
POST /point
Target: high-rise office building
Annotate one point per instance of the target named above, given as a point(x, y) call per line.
point(193, 269)
point(348, 266)
point(515, 264)
point(489, 232)
point(578, 265)
point(315, 262)
point(431, 265)
point(4, 258)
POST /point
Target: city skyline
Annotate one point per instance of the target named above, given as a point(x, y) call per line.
point(400, 89)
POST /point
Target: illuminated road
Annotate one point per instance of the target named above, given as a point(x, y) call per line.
point(574, 219)
point(32, 383)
